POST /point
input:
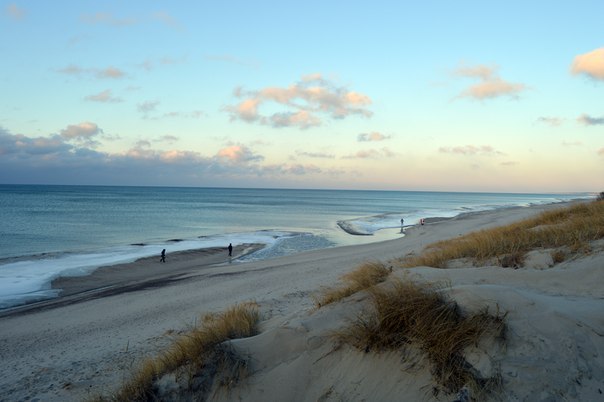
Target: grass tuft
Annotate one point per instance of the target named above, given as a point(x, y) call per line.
point(408, 315)
point(202, 349)
point(572, 227)
point(364, 277)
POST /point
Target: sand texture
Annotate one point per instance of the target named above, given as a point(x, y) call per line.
point(89, 340)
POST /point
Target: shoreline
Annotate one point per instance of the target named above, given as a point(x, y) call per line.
point(144, 273)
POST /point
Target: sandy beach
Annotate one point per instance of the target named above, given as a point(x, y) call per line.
point(88, 340)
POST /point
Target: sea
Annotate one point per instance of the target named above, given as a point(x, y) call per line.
point(51, 231)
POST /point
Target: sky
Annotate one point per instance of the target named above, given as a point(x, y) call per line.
point(381, 95)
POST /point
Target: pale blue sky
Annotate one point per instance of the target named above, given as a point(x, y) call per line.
point(429, 95)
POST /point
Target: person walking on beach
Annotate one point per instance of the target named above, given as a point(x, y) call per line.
point(163, 256)
point(230, 249)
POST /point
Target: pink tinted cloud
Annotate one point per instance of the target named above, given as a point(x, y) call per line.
point(306, 104)
point(238, 153)
point(490, 85)
point(110, 72)
point(14, 12)
point(103, 97)
point(591, 64)
point(601, 152)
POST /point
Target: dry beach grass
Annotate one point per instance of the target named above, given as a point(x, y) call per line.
point(567, 231)
point(194, 360)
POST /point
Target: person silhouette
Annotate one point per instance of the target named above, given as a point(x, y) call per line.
point(163, 255)
point(230, 249)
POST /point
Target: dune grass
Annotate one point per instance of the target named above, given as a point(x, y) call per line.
point(407, 315)
point(201, 349)
point(573, 228)
point(365, 276)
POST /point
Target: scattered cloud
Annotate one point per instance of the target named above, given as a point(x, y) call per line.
point(371, 154)
point(490, 85)
point(103, 97)
point(150, 64)
point(147, 107)
point(238, 153)
point(14, 12)
point(195, 114)
point(61, 158)
point(319, 155)
point(551, 121)
point(590, 121)
point(591, 64)
point(72, 69)
point(484, 150)
point(83, 133)
point(601, 152)
point(307, 103)
point(374, 136)
point(169, 139)
point(109, 72)
point(509, 163)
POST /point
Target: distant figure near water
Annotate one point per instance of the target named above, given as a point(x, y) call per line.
point(163, 256)
point(230, 249)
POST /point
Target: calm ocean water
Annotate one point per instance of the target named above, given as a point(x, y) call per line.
point(48, 231)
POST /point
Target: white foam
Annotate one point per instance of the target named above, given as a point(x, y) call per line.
point(24, 281)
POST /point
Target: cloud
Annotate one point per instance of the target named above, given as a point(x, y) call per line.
point(14, 12)
point(72, 69)
point(371, 154)
point(306, 103)
point(150, 64)
point(195, 114)
point(485, 150)
point(238, 154)
point(319, 155)
point(590, 121)
point(82, 133)
point(551, 121)
point(372, 137)
point(109, 72)
point(490, 85)
point(103, 97)
point(591, 64)
point(58, 159)
point(147, 106)
point(601, 152)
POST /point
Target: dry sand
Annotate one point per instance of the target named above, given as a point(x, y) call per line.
point(89, 340)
